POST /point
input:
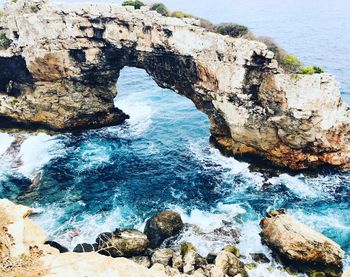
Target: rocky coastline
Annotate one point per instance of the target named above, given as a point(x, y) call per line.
point(60, 64)
point(25, 250)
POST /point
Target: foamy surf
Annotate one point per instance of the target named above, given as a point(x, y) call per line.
point(5, 142)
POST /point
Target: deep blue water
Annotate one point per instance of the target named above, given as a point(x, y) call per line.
point(161, 158)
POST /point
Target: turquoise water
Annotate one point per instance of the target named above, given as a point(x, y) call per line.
point(161, 157)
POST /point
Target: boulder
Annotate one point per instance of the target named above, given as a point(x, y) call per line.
point(58, 246)
point(191, 259)
point(162, 226)
point(260, 258)
point(122, 243)
point(299, 245)
point(227, 264)
point(162, 256)
point(85, 247)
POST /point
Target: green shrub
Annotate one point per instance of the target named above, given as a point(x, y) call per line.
point(180, 14)
point(14, 1)
point(5, 42)
point(318, 70)
point(2, 14)
point(290, 63)
point(231, 29)
point(309, 70)
point(136, 4)
point(160, 8)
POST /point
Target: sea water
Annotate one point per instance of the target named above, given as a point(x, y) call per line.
point(160, 158)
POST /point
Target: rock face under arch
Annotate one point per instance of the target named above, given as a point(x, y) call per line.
point(61, 69)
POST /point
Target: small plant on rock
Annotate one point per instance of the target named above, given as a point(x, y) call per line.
point(5, 42)
point(309, 70)
point(136, 4)
point(160, 8)
point(180, 14)
point(232, 29)
point(290, 63)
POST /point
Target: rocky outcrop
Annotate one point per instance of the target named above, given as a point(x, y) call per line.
point(162, 226)
point(122, 243)
point(299, 245)
point(63, 61)
point(23, 252)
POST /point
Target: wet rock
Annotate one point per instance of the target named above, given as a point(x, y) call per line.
point(162, 256)
point(260, 258)
point(162, 226)
point(142, 260)
point(85, 247)
point(211, 258)
point(58, 246)
point(299, 245)
point(250, 266)
point(228, 264)
point(234, 250)
point(122, 243)
point(229, 232)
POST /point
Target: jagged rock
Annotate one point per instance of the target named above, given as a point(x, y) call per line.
point(260, 258)
point(162, 226)
point(58, 246)
point(142, 260)
point(177, 261)
point(85, 247)
point(162, 256)
point(122, 243)
point(227, 231)
point(298, 244)
point(64, 60)
point(191, 259)
point(234, 250)
point(227, 263)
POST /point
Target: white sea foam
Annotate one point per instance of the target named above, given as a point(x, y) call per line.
point(140, 117)
point(36, 151)
point(5, 142)
point(83, 228)
point(296, 184)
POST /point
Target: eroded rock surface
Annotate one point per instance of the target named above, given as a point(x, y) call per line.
point(64, 60)
point(300, 245)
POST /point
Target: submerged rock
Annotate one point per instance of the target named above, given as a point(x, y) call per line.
point(122, 243)
point(61, 74)
point(260, 258)
point(299, 245)
point(163, 226)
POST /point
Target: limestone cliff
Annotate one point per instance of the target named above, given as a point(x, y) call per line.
point(63, 62)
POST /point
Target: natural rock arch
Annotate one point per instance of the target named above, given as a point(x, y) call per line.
point(63, 63)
